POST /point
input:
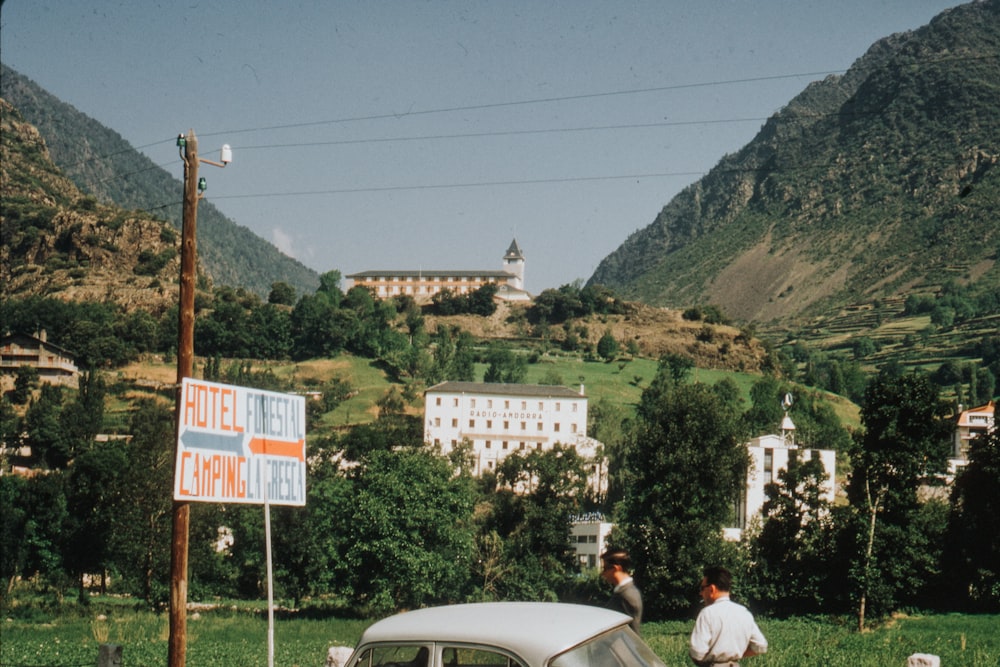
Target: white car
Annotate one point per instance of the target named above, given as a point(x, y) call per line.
point(504, 634)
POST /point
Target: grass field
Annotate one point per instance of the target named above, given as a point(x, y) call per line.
point(229, 637)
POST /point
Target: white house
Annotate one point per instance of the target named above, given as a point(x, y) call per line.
point(589, 538)
point(769, 455)
point(55, 365)
point(498, 419)
point(971, 423)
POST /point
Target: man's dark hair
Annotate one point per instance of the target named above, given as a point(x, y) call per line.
point(719, 577)
point(617, 557)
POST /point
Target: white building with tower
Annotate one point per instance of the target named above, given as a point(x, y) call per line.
point(769, 455)
point(423, 284)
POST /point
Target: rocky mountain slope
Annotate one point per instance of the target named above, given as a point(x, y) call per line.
point(866, 186)
point(59, 242)
point(102, 164)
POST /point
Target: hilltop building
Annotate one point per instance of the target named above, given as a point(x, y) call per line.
point(498, 419)
point(54, 364)
point(423, 284)
point(769, 455)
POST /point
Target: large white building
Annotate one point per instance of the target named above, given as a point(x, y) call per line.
point(769, 455)
point(422, 284)
point(498, 419)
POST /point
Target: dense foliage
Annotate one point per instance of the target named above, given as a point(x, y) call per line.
point(384, 510)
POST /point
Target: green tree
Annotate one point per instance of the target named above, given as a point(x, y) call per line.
point(141, 527)
point(529, 512)
point(791, 554)
point(905, 441)
point(686, 465)
point(972, 557)
point(281, 294)
point(607, 346)
point(411, 516)
point(25, 382)
point(31, 526)
point(505, 366)
point(92, 502)
point(42, 428)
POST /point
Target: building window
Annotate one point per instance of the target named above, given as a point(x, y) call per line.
point(454, 423)
point(556, 427)
point(572, 428)
point(489, 423)
point(489, 444)
point(455, 402)
point(489, 403)
point(506, 405)
point(539, 426)
point(768, 465)
point(575, 406)
point(524, 405)
point(524, 426)
point(558, 406)
point(541, 406)
point(505, 444)
point(472, 402)
point(472, 423)
point(437, 421)
point(506, 426)
point(437, 401)
point(522, 446)
point(538, 446)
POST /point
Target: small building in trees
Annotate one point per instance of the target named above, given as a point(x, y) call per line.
point(497, 419)
point(971, 423)
point(769, 455)
point(422, 284)
point(589, 538)
point(54, 364)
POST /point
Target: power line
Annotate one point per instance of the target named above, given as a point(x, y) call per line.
point(537, 100)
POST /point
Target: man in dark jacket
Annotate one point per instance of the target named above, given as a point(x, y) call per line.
point(625, 597)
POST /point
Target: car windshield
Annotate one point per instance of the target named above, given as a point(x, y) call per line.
point(618, 648)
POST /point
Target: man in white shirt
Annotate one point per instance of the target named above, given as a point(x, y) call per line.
point(724, 632)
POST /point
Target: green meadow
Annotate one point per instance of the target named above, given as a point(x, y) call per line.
point(229, 636)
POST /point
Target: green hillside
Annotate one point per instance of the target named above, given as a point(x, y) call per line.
point(866, 186)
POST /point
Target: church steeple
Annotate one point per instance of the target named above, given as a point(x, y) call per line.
point(513, 263)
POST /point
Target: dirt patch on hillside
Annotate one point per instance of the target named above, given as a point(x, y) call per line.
point(653, 331)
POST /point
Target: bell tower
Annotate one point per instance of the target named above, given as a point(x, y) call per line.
point(513, 263)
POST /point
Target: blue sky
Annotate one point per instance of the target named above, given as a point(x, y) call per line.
point(427, 134)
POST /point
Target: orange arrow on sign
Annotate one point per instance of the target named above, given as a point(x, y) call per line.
point(262, 446)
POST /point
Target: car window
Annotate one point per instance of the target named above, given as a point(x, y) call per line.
point(403, 655)
point(618, 648)
point(463, 656)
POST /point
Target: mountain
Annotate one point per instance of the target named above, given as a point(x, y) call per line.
point(101, 163)
point(58, 241)
point(865, 186)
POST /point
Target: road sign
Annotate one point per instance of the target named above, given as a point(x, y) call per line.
point(240, 445)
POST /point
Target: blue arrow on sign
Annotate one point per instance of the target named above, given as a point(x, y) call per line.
point(222, 443)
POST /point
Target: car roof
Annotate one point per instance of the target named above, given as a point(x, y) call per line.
point(535, 631)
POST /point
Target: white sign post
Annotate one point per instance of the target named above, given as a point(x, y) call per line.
point(242, 445)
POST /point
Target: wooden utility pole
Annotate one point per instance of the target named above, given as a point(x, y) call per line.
point(177, 646)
